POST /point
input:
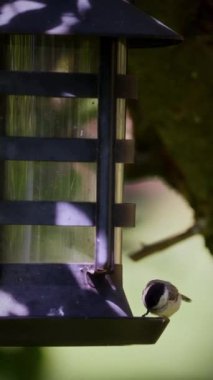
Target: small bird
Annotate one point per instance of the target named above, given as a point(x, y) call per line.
point(162, 298)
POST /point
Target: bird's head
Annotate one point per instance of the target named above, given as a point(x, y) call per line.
point(155, 295)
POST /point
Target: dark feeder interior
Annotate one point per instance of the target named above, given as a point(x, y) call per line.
point(63, 91)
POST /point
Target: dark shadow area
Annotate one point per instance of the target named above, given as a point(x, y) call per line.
point(21, 364)
point(41, 290)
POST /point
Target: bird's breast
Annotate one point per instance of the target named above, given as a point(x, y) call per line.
point(169, 308)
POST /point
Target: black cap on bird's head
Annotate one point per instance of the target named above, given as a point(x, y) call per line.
point(153, 294)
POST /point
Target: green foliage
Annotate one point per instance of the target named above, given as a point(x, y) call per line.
point(20, 364)
point(172, 118)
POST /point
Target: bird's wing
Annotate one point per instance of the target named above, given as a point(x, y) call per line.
point(173, 292)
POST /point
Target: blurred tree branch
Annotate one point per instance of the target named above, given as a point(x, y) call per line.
point(149, 249)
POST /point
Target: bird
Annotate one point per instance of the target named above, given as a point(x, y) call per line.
point(162, 298)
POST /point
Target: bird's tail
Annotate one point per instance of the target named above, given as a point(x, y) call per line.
point(186, 299)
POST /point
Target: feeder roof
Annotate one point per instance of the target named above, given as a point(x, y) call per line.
point(112, 18)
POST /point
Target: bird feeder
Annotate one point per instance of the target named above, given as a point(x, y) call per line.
point(63, 89)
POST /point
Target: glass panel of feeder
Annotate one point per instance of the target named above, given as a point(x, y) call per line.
point(49, 117)
point(120, 134)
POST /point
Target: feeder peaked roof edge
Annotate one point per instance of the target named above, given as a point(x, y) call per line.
point(112, 18)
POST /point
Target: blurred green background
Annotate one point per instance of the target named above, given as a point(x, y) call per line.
point(185, 350)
